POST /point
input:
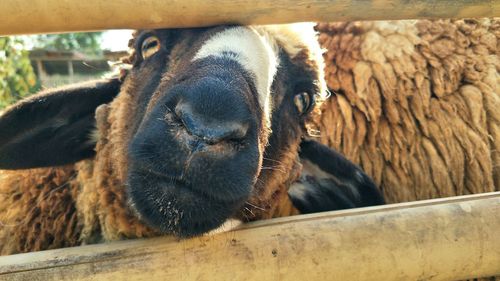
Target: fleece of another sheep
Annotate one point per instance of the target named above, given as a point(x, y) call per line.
point(416, 104)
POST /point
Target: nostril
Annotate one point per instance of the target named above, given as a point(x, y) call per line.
point(228, 131)
point(209, 129)
point(172, 118)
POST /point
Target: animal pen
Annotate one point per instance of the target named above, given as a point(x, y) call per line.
point(442, 239)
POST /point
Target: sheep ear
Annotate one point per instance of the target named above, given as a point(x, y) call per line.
point(53, 127)
point(331, 182)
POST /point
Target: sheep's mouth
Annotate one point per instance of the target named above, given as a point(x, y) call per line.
point(172, 206)
point(179, 190)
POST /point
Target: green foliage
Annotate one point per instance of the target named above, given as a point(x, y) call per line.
point(17, 78)
point(85, 42)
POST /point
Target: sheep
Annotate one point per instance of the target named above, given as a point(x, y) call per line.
point(416, 104)
point(206, 125)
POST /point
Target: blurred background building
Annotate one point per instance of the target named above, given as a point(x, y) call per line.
point(32, 63)
point(55, 68)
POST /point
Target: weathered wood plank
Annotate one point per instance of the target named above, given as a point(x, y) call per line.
point(445, 239)
point(44, 16)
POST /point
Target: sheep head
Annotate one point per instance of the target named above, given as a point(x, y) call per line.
point(206, 125)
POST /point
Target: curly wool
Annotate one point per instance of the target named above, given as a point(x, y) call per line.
point(51, 192)
point(416, 104)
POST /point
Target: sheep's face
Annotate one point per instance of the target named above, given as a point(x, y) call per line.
point(214, 113)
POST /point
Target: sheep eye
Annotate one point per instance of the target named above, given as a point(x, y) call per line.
point(150, 46)
point(303, 102)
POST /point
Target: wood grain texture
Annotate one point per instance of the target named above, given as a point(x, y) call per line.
point(443, 239)
point(45, 16)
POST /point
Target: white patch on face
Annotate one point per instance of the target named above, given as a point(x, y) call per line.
point(228, 225)
point(254, 53)
point(295, 38)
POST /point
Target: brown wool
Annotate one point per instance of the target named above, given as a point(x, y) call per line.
point(416, 104)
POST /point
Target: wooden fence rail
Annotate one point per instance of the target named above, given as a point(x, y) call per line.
point(445, 239)
point(45, 16)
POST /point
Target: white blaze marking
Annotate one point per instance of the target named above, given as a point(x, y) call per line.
point(253, 52)
point(228, 225)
